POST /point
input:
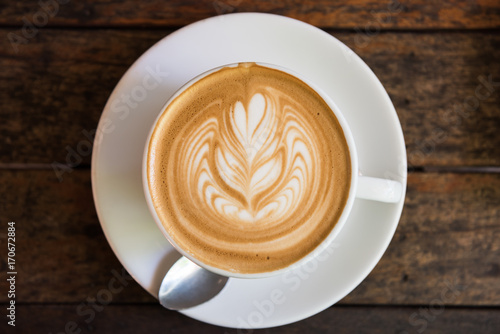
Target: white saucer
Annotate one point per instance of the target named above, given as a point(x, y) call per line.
point(116, 162)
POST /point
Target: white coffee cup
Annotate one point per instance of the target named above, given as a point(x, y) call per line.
point(363, 187)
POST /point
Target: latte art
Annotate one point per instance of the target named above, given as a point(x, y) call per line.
point(248, 169)
point(251, 164)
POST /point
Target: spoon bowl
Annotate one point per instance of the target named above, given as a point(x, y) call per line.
point(187, 285)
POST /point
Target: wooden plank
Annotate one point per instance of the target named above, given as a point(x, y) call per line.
point(361, 14)
point(339, 319)
point(446, 90)
point(61, 252)
point(53, 91)
point(447, 240)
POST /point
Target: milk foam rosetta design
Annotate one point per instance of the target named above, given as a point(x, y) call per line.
point(252, 165)
point(244, 177)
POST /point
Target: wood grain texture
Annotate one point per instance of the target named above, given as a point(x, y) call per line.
point(54, 89)
point(447, 240)
point(61, 252)
point(134, 319)
point(446, 90)
point(360, 14)
point(438, 60)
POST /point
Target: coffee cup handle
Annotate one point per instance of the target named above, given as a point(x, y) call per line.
point(381, 190)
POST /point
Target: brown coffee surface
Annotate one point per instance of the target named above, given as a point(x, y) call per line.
point(248, 169)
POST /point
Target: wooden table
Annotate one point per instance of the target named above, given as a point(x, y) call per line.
point(438, 61)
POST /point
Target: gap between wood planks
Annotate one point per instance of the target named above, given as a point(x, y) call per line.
point(413, 169)
point(338, 304)
point(327, 29)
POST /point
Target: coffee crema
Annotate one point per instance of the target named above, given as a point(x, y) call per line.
point(248, 169)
